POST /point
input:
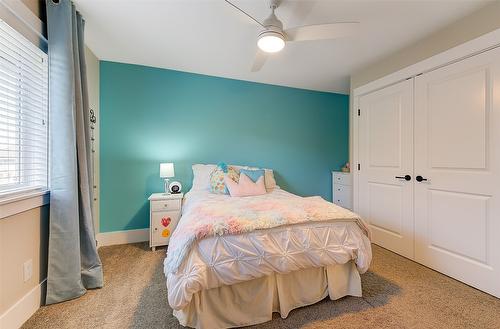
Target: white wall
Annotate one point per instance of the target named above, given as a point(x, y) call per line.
point(36, 6)
point(482, 21)
point(93, 86)
point(23, 237)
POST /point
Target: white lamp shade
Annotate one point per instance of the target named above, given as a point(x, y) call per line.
point(167, 170)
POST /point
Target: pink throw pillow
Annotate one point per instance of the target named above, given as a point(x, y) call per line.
point(245, 187)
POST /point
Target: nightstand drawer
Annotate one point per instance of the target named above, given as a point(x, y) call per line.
point(165, 205)
point(163, 224)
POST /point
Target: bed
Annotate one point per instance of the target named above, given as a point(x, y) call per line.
point(237, 273)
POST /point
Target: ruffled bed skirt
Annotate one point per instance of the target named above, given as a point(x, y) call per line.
point(254, 301)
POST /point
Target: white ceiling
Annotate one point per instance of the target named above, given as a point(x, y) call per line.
point(210, 37)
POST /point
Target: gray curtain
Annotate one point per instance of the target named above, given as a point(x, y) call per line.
point(74, 264)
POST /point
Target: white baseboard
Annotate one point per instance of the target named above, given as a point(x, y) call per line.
point(122, 237)
point(21, 311)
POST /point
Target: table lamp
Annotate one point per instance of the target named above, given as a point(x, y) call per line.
point(166, 172)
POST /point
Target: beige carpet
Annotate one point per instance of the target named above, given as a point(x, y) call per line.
point(398, 293)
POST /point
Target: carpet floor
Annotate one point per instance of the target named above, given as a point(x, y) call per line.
point(397, 293)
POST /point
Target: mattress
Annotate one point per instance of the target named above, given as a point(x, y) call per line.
point(230, 259)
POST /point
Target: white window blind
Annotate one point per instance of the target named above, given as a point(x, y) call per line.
point(23, 114)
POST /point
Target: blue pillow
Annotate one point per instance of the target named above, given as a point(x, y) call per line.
point(254, 175)
point(222, 166)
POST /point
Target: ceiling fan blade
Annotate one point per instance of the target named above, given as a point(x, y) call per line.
point(321, 31)
point(243, 12)
point(259, 61)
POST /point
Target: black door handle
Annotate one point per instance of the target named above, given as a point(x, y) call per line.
point(420, 178)
point(405, 177)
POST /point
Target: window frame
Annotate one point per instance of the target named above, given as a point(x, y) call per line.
point(23, 189)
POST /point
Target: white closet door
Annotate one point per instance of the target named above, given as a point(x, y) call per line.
point(457, 149)
point(385, 153)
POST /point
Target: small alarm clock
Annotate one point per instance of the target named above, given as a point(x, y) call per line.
point(175, 187)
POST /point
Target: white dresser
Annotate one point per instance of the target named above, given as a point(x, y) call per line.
point(342, 189)
point(165, 212)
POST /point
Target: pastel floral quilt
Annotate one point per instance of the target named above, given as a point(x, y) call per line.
point(225, 215)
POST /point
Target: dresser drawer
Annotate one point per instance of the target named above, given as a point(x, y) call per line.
point(343, 192)
point(165, 205)
point(342, 178)
point(163, 224)
point(344, 202)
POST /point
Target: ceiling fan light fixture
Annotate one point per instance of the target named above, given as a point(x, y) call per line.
point(271, 41)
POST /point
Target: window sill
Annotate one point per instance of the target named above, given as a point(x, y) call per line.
point(16, 204)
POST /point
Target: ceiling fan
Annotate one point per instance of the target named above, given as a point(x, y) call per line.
point(273, 37)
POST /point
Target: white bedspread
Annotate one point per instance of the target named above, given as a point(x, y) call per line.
point(228, 259)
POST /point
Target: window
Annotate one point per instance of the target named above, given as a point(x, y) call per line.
point(23, 114)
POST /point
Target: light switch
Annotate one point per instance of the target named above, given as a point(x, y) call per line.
point(28, 270)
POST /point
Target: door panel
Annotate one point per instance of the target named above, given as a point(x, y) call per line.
point(386, 207)
point(384, 131)
point(458, 102)
point(454, 210)
point(386, 151)
point(457, 210)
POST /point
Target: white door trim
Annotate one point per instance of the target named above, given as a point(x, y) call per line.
point(485, 42)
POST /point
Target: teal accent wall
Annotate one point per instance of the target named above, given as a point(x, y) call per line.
point(151, 115)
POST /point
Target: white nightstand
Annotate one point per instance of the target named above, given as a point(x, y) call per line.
point(164, 213)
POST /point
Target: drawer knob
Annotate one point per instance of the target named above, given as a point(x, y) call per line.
point(165, 205)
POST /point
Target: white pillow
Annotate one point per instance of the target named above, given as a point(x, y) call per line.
point(201, 176)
